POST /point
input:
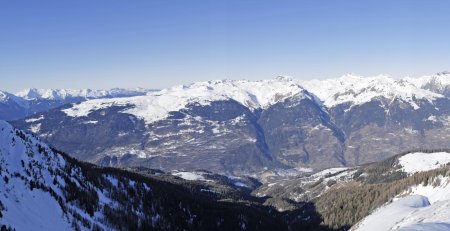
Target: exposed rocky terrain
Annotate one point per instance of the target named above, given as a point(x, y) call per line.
point(247, 127)
point(44, 189)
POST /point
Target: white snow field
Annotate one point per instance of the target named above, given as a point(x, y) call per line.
point(420, 162)
point(157, 105)
point(425, 208)
point(349, 89)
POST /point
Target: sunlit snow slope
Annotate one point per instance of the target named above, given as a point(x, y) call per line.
point(157, 105)
point(41, 190)
point(421, 207)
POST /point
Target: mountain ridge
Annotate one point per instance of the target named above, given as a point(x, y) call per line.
point(30, 101)
point(241, 125)
point(263, 93)
point(61, 94)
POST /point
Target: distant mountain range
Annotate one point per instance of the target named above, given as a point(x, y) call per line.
point(247, 127)
point(30, 101)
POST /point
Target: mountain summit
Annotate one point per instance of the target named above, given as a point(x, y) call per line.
point(246, 127)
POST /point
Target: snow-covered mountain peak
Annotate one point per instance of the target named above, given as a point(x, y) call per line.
point(443, 73)
point(31, 93)
point(62, 94)
point(6, 97)
point(284, 78)
point(350, 77)
point(3, 96)
point(254, 94)
point(438, 83)
point(156, 105)
point(356, 90)
point(51, 94)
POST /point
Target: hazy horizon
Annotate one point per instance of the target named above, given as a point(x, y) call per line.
point(158, 44)
point(187, 83)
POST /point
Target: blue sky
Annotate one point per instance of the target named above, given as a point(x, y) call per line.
point(156, 44)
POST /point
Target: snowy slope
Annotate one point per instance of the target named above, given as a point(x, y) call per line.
point(5, 97)
point(31, 101)
point(425, 208)
point(351, 89)
point(348, 89)
point(438, 83)
point(387, 217)
point(356, 90)
point(420, 162)
point(189, 175)
point(18, 201)
point(36, 187)
point(156, 105)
